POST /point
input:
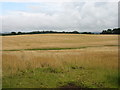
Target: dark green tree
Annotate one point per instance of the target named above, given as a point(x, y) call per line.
point(13, 33)
point(19, 33)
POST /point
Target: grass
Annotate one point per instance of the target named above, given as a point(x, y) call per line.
point(43, 49)
point(62, 61)
point(56, 40)
point(48, 78)
point(57, 48)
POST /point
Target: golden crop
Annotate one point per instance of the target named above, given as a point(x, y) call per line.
point(103, 56)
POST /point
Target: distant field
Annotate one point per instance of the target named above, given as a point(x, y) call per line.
point(60, 60)
point(56, 41)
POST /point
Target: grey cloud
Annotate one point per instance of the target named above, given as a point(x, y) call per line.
point(73, 16)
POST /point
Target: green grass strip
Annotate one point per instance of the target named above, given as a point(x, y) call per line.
point(43, 49)
point(56, 48)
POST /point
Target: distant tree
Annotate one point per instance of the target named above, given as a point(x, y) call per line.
point(13, 33)
point(86, 33)
point(104, 32)
point(110, 31)
point(19, 33)
point(75, 32)
point(116, 31)
point(63, 31)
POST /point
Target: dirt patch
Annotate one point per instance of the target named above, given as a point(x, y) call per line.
point(72, 85)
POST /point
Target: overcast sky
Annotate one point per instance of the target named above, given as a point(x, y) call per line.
point(58, 16)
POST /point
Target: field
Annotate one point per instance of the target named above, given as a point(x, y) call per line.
point(60, 61)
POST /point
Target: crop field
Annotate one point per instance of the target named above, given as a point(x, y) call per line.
point(60, 61)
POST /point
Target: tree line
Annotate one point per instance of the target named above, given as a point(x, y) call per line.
point(111, 31)
point(45, 32)
point(108, 31)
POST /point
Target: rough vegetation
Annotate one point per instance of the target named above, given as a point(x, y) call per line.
point(93, 67)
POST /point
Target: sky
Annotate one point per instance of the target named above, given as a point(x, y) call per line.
point(58, 16)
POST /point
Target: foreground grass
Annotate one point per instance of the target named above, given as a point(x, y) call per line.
point(50, 61)
point(56, 78)
point(54, 69)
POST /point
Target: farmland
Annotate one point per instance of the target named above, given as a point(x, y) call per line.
point(60, 60)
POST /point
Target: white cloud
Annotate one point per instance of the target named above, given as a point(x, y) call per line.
point(73, 16)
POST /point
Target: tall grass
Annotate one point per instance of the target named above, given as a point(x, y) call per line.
point(91, 66)
point(104, 57)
